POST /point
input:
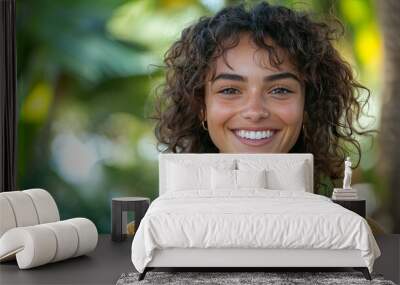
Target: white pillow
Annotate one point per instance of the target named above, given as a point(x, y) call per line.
point(228, 179)
point(281, 175)
point(187, 174)
point(182, 177)
point(251, 178)
point(293, 179)
point(223, 179)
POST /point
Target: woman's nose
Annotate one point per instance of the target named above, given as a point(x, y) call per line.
point(255, 109)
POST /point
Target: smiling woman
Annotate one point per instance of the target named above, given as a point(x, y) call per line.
point(250, 106)
point(261, 80)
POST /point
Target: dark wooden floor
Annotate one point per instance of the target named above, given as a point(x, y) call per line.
point(102, 266)
point(110, 260)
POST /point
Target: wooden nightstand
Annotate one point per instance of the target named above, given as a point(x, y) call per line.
point(120, 208)
point(357, 206)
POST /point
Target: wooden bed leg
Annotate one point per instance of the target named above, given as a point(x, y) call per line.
point(364, 271)
point(143, 274)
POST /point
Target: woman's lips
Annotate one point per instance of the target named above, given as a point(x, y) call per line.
point(255, 142)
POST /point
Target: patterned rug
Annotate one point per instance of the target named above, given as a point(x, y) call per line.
point(269, 278)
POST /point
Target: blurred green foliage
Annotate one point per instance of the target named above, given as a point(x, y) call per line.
point(87, 72)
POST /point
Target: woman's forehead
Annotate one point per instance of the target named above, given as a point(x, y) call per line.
point(246, 57)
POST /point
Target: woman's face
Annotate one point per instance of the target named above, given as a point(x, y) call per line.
point(253, 107)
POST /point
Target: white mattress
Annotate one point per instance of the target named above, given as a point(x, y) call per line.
point(253, 218)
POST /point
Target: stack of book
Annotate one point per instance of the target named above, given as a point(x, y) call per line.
point(344, 194)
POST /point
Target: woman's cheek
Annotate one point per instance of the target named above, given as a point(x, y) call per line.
point(219, 113)
point(290, 114)
point(218, 116)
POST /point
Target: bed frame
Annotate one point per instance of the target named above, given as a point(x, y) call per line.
point(248, 259)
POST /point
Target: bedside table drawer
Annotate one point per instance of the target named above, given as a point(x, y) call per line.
point(357, 206)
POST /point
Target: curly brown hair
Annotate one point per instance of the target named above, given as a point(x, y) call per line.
point(333, 101)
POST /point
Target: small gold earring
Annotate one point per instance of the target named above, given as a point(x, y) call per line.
point(204, 127)
point(304, 130)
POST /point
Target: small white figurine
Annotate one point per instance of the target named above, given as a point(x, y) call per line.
point(347, 174)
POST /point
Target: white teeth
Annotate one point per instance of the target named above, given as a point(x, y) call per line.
point(254, 135)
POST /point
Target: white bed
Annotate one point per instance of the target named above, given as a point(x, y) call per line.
point(203, 221)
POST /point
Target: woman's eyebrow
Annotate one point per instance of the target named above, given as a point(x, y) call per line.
point(281, 75)
point(272, 77)
point(229, 76)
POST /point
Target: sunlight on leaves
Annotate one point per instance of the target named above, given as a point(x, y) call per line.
point(73, 117)
point(36, 105)
point(147, 148)
point(75, 159)
point(123, 127)
point(213, 5)
point(175, 4)
point(368, 47)
point(355, 11)
point(143, 23)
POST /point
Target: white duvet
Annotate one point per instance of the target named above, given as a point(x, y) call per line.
point(252, 218)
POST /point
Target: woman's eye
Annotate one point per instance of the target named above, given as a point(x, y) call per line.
point(281, 90)
point(229, 91)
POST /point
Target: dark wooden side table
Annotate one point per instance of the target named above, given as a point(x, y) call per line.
point(120, 208)
point(357, 206)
